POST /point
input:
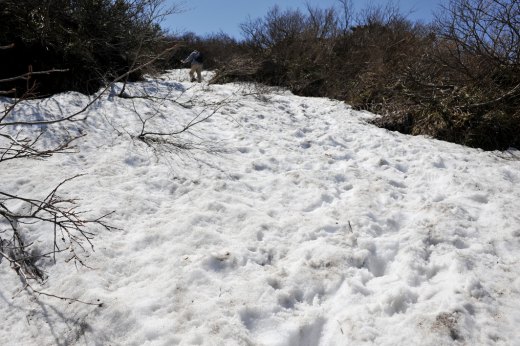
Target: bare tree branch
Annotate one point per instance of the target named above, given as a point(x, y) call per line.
point(60, 213)
point(29, 74)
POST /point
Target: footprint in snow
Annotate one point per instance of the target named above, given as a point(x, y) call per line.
point(260, 167)
point(324, 199)
point(479, 198)
point(305, 145)
point(274, 283)
point(397, 184)
point(299, 134)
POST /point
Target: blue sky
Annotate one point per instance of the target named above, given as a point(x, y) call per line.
point(210, 16)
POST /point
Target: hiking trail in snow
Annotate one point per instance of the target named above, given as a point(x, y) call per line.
point(298, 223)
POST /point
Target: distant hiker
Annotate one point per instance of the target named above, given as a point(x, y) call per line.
point(195, 58)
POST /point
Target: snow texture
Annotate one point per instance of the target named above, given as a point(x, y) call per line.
point(293, 222)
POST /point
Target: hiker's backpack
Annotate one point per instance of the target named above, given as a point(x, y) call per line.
point(199, 58)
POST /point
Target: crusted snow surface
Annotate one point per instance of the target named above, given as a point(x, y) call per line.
point(290, 221)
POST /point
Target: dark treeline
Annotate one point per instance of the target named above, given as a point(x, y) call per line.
point(93, 40)
point(455, 79)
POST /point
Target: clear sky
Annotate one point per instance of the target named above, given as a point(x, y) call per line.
point(210, 16)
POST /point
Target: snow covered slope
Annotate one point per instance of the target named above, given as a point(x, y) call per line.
point(294, 223)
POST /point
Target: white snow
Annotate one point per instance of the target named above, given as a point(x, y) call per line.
point(295, 222)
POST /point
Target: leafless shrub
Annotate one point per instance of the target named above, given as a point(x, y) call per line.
point(68, 227)
point(293, 49)
point(60, 214)
point(181, 138)
point(346, 11)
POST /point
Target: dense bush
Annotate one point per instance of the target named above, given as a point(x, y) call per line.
point(95, 40)
point(465, 88)
point(293, 49)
